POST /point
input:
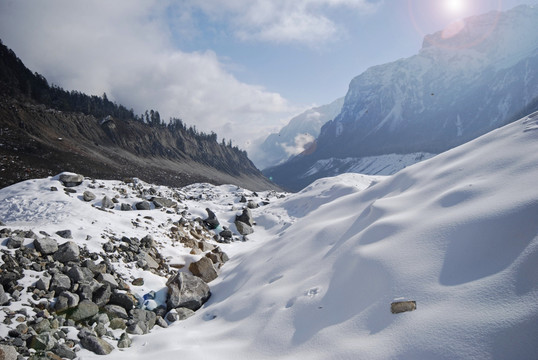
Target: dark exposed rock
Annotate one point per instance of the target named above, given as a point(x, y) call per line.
point(71, 180)
point(102, 295)
point(66, 234)
point(46, 245)
point(88, 196)
point(143, 205)
point(68, 251)
point(211, 222)
point(245, 217)
point(126, 301)
point(204, 269)
point(105, 278)
point(186, 290)
point(251, 204)
point(66, 300)
point(126, 207)
point(14, 242)
point(79, 274)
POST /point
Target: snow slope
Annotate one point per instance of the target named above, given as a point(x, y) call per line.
point(457, 233)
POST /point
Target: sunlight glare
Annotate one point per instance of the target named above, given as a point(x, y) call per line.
point(454, 6)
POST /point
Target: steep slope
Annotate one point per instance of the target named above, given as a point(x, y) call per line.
point(456, 233)
point(296, 136)
point(40, 138)
point(457, 88)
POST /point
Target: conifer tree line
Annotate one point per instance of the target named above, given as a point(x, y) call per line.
point(17, 81)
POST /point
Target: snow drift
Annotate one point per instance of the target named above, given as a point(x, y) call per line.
point(456, 233)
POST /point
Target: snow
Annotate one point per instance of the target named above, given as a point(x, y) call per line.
point(457, 233)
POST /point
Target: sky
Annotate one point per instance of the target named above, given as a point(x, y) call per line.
point(240, 68)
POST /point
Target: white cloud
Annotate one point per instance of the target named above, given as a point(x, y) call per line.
point(124, 48)
point(301, 143)
point(298, 21)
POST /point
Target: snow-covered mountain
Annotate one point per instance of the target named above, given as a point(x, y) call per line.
point(460, 85)
point(296, 136)
point(453, 238)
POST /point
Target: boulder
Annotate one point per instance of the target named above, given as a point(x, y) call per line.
point(126, 301)
point(96, 345)
point(116, 311)
point(102, 295)
point(8, 352)
point(60, 283)
point(245, 217)
point(88, 196)
point(142, 321)
point(66, 300)
point(160, 202)
point(402, 306)
point(186, 290)
point(243, 228)
point(108, 279)
point(68, 251)
point(84, 310)
point(211, 222)
point(66, 234)
point(14, 242)
point(46, 245)
point(204, 269)
point(71, 180)
point(252, 204)
point(126, 207)
point(79, 274)
point(124, 341)
point(4, 298)
point(107, 203)
point(143, 205)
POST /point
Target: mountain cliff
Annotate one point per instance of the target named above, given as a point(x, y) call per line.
point(45, 130)
point(466, 80)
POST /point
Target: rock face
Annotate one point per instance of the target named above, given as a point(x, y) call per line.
point(186, 290)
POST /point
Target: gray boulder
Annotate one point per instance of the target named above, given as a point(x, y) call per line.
point(107, 203)
point(143, 205)
point(64, 351)
point(66, 300)
point(186, 290)
point(79, 274)
point(124, 300)
point(102, 295)
point(108, 279)
point(66, 234)
point(96, 345)
point(243, 228)
point(142, 321)
point(116, 311)
point(60, 283)
point(46, 245)
point(42, 342)
point(43, 283)
point(8, 352)
point(14, 242)
point(71, 180)
point(68, 251)
point(160, 202)
point(88, 196)
point(84, 310)
point(4, 298)
point(245, 217)
point(124, 341)
point(126, 207)
point(251, 204)
point(204, 269)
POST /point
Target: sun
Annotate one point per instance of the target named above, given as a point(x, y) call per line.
point(455, 7)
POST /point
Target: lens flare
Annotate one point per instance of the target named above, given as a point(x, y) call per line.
point(455, 7)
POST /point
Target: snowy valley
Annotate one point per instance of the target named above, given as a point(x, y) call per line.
point(457, 234)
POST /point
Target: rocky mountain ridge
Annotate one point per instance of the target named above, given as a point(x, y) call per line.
point(457, 88)
point(39, 139)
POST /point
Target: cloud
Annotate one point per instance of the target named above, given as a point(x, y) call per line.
point(301, 143)
point(283, 21)
point(125, 48)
